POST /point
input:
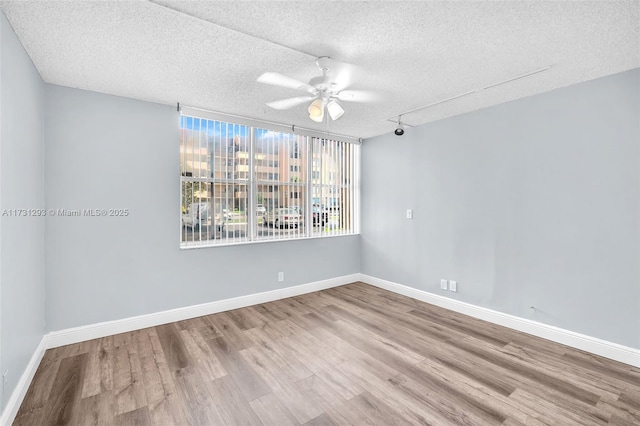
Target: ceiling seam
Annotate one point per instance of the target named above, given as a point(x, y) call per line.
point(518, 77)
point(275, 43)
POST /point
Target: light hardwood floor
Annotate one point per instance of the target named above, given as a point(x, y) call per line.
point(353, 355)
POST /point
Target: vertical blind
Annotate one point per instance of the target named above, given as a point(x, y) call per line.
point(241, 183)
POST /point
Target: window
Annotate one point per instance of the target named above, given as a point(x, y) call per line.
point(239, 185)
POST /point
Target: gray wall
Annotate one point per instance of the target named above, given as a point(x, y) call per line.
point(21, 187)
point(111, 152)
point(533, 202)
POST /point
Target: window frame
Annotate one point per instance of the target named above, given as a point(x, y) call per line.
point(305, 190)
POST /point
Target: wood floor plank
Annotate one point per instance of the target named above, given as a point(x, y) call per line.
point(303, 409)
point(208, 365)
point(271, 311)
point(139, 417)
point(324, 350)
point(168, 411)
point(380, 343)
point(34, 416)
point(339, 409)
point(354, 354)
point(370, 300)
point(600, 383)
point(630, 398)
point(232, 334)
point(617, 421)
point(496, 378)
point(338, 382)
point(621, 410)
point(194, 394)
point(173, 347)
point(458, 412)
point(64, 401)
point(378, 411)
point(40, 389)
point(412, 410)
point(99, 377)
point(246, 318)
point(608, 368)
point(96, 410)
point(289, 365)
point(548, 412)
point(128, 384)
point(272, 412)
point(250, 383)
point(321, 420)
point(550, 376)
point(208, 329)
point(467, 392)
point(228, 400)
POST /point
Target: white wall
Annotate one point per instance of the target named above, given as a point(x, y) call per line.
point(21, 187)
point(111, 152)
point(533, 202)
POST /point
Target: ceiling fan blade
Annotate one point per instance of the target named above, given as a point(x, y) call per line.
point(357, 96)
point(289, 102)
point(280, 80)
point(342, 75)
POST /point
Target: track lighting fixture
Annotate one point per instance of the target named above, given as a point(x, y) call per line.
point(400, 129)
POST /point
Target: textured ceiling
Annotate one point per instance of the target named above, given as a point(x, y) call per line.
point(209, 54)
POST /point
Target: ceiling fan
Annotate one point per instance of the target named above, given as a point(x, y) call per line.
point(324, 91)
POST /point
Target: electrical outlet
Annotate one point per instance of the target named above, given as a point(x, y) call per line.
point(409, 214)
point(443, 284)
point(280, 276)
point(453, 285)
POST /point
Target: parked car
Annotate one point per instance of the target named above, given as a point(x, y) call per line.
point(319, 215)
point(222, 215)
point(260, 210)
point(197, 215)
point(284, 216)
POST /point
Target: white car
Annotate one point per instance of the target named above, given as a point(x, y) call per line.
point(260, 210)
point(197, 215)
point(284, 216)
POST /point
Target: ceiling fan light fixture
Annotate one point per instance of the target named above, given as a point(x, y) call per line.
point(316, 110)
point(335, 109)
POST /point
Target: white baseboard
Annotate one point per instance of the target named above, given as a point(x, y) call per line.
point(11, 409)
point(69, 336)
point(93, 331)
point(594, 345)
